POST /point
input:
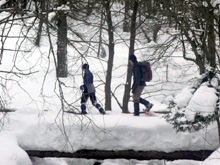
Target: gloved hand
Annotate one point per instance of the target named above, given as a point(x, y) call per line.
point(82, 87)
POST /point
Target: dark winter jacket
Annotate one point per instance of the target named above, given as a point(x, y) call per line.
point(88, 82)
point(137, 77)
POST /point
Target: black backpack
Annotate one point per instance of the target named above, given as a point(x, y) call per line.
point(146, 71)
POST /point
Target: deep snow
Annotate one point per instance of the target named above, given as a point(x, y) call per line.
point(114, 131)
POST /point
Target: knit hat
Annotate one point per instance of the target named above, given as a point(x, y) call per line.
point(133, 58)
point(85, 66)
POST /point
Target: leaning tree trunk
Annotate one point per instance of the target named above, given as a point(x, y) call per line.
point(111, 48)
point(62, 44)
point(131, 50)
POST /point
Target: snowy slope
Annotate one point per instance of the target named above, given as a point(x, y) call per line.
point(109, 132)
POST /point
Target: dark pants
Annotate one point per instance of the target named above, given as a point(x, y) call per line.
point(92, 97)
point(137, 99)
point(137, 94)
point(85, 97)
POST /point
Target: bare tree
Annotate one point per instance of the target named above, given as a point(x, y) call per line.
point(111, 48)
point(131, 50)
point(196, 22)
point(40, 11)
point(62, 42)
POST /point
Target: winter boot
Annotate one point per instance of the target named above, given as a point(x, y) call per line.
point(101, 110)
point(136, 109)
point(149, 106)
point(83, 109)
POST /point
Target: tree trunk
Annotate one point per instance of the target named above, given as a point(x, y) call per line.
point(111, 47)
point(155, 32)
point(41, 15)
point(126, 24)
point(131, 50)
point(40, 26)
point(62, 45)
point(89, 8)
point(23, 4)
point(218, 122)
point(100, 35)
point(211, 39)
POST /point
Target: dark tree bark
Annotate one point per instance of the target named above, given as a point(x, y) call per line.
point(41, 17)
point(62, 44)
point(126, 24)
point(89, 8)
point(16, 4)
point(111, 47)
point(131, 50)
point(211, 38)
point(24, 4)
point(100, 35)
point(155, 32)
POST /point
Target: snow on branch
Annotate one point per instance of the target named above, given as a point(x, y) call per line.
point(2, 2)
point(215, 2)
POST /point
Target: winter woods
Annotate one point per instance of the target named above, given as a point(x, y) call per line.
point(59, 36)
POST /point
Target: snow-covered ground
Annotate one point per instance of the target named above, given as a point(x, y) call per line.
point(114, 131)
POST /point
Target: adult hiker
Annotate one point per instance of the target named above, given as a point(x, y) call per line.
point(138, 86)
point(88, 89)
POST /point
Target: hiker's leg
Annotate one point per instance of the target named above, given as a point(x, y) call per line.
point(136, 99)
point(84, 99)
point(136, 109)
point(147, 104)
point(144, 102)
point(94, 103)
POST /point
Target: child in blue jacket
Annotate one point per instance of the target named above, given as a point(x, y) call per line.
point(88, 89)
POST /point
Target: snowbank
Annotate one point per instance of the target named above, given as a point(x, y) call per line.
point(214, 159)
point(114, 131)
point(183, 97)
point(10, 152)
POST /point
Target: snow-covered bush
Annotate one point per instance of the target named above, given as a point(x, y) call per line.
point(195, 107)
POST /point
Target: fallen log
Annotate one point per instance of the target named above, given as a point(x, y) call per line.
point(127, 154)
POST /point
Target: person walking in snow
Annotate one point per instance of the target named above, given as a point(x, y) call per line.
point(88, 91)
point(138, 86)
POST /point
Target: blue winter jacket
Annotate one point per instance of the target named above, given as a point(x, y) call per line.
point(88, 81)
